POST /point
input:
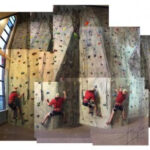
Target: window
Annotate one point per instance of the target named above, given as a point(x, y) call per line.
point(2, 43)
point(7, 29)
point(4, 37)
point(2, 91)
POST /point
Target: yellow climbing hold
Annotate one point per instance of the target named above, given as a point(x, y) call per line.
point(64, 28)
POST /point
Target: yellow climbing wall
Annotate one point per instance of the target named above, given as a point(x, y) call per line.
point(23, 72)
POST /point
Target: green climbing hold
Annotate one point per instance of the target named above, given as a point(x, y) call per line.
point(75, 35)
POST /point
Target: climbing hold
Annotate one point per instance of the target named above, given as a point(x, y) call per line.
point(75, 35)
point(86, 23)
point(99, 43)
point(47, 92)
point(33, 74)
point(34, 53)
point(64, 28)
point(22, 73)
point(31, 115)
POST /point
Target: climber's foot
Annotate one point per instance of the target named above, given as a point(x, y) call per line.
point(108, 122)
point(42, 123)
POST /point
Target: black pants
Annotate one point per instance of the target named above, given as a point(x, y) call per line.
point(88, 104)
point(118, 107)
point(16, 105)
point(55, 113)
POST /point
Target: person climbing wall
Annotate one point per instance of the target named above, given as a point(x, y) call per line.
point(89, 100)
point(121, 96)
point(14, 103)
point(56, 103)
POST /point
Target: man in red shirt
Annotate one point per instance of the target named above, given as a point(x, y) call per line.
point(89, 100)
point(14, 103)
point(121, 96)
point(56, 103)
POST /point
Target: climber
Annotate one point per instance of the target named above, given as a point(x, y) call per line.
point(15, 104)
point(89, 101)
point(121, 96)
point(56, 103)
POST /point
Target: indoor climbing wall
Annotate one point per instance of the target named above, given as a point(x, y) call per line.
point(70, 106)
point(93, 61)
point(103, 101)
point(62, 33)
point(40, 30)
point(46, 70)
point(145, 52)
point(137, 99)
point(26, 62)
point(116, 83)
point(123, 51)
point(21, 38)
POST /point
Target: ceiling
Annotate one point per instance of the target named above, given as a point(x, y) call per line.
point(6, 14)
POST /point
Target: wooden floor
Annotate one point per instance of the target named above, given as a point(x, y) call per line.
point(15, 133)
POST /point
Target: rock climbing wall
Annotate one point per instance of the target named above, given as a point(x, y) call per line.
point(93, 61)
point(145, 52)
point(21, 38)
point(137, 89)
point(135, 101)
point(40, 30)
point(70, 106)
point(116, 83)
point(23, 72)
point(103, 101)
point(145, 61)
point(124, 59)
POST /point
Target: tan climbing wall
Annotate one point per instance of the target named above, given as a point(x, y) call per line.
point(70, 106)
point(23, 72)
point(103, 100)
point(93, 61)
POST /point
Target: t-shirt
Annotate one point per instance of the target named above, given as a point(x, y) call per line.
point(12, 97)
point(120, 97)
point(57, 103)
point(89, 95)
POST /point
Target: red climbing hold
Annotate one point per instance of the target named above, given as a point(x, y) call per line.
point(99, 43)
point(86, 23)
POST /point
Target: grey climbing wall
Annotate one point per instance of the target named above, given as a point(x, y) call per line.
point(93, 61)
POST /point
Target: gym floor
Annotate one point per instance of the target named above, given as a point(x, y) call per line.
point(10, 132)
